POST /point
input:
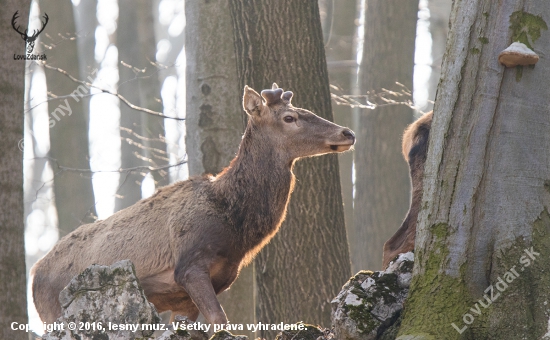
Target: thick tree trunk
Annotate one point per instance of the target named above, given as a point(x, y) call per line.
point(13, 292)
point(304, 266)
point(486, 185)
point(382, 181)
point(342, 68)
point(214, 117)
point(73, 191)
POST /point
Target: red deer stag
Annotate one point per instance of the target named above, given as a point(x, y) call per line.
point(415, 149)
point(190, 239)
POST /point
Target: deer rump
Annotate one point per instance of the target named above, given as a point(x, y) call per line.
point(415, 149)
point(190, 239)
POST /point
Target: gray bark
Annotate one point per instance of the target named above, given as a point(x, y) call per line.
point(13, 293)
point(439, 28)
point(74, 199)
point(486, 184)
point(138, 83)
point(214, 117)
point(305, 264)
point(382, 181)
point(340, 51)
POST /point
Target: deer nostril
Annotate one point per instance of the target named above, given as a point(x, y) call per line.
point(349, 134)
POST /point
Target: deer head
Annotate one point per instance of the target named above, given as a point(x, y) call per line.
point(30, 40)
point(295, 132)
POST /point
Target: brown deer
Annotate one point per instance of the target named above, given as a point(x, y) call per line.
point(415, 149)
point(190, 239)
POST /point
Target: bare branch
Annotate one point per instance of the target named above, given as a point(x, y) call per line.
point(126, 170)
point(118, 95)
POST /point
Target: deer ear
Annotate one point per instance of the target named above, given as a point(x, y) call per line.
point(272, 96)
point(287, 97)
point(252, 101)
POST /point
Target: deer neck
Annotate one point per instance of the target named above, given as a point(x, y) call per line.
point(255, 188)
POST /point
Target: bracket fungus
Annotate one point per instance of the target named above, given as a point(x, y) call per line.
point(517, 54)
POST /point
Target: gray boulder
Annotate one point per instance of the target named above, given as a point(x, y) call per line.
point(102, 299)
point(371, 302)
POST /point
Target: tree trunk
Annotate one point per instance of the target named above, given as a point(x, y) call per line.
point(74, 198)
point(214, 117)
point(341, 61)
point(304, 266)
point(139, 83)
point(382, 181)
point(13, 293)
point(439, 28)
point(486, 185)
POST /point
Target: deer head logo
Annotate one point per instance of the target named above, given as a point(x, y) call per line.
point(29, 39)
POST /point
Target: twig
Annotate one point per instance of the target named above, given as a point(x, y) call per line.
point(118, 95)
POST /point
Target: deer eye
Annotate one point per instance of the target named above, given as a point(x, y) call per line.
point(289, 119)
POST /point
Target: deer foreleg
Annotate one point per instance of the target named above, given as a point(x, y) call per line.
point(197, 283)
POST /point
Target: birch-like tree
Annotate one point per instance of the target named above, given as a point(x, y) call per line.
point(69, 117)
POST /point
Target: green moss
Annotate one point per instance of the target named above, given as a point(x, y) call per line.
point(365, 322)
point(523, 301)
point(384, 289)
point(476, 50)
point(440, 230)
point(486, 14)
point(483, 40)
point(519, 72)
point(435, 299)
point(526, 27)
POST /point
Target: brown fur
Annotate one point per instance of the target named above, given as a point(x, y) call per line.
point(415, 149)
point(190, 239)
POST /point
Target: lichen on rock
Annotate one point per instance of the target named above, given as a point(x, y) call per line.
point(371, 302)
point(225, 335)
point(183, 334)
point(101, 295)
point(308, 332)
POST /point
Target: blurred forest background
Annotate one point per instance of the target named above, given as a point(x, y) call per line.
point(138, 94)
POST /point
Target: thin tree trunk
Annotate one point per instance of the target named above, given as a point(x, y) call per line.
point(439, 28)
point(214, 119)
point(73, 191)
point(486, 184)
point(304, 266)
point(139, 83)
point(382, 181)
point(340, 54)
point(13, 292)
